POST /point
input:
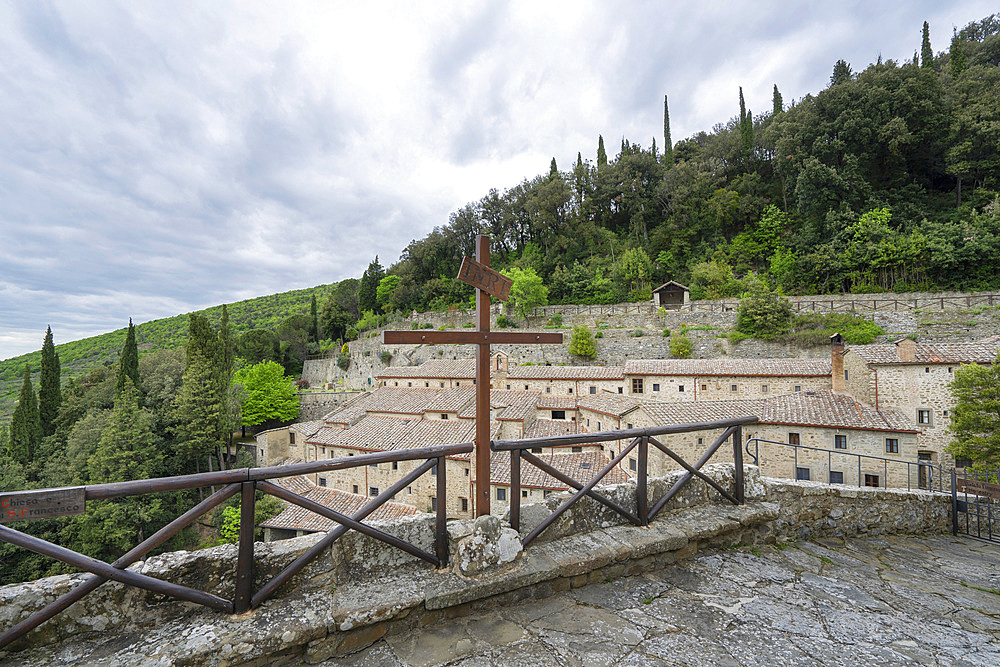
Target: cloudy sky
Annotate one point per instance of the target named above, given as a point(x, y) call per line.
point(160, 157)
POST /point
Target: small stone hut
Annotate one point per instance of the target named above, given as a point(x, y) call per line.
point(671, 295)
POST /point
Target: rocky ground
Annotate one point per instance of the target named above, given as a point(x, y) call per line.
point(897, 600)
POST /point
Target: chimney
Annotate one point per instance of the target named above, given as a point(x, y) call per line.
point(906, 349)
point(837, 362)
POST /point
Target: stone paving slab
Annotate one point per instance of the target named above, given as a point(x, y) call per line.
point(892, 600)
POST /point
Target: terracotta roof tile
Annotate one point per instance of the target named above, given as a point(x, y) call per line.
point(294, 517)
point(547, 428)
point(729, 367)
point(461, 369)
point(609, 404)
point(565, 373)
point(550, 402)
point(581, 466)
point(982, 352)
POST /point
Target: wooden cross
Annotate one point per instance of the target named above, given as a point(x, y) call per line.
point(477, 272)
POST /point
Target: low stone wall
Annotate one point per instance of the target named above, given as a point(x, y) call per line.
point(360, 589)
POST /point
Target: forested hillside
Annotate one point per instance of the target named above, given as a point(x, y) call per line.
point(886, 180)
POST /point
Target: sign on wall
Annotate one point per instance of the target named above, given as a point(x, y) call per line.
point(43, 504)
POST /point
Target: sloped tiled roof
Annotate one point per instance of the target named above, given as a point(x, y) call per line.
point(377, 433)
point(610, 404)
point(547, 428)
point(514, 405)
point(460, 369)
point(982, 352)
point(550, 402)
point(581, 466)
point(565, 373)
point(294, 517)
point(729, 367)
point(308, 428)
point(825, 409)
point(451, 400)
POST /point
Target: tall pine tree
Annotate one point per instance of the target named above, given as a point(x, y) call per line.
point(128, 362)
point(49, 392)
point(368, 287)
point(746, 130)
point(602, 155)
point(25, 426)
point(776, 101)
point(200, 406)
point(668, 146)
point(553, 169)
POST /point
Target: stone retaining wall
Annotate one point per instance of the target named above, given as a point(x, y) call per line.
point(361, 588)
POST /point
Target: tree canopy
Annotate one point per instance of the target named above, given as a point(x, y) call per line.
point(269, 394)
point(975, 420)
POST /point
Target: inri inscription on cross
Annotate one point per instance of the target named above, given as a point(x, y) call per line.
point(488, 283)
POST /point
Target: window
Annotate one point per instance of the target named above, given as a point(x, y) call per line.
point(442, 385)
point(434, 504)
point(409, 489)
point(836, 477)
point(548, 390)
point(891, 446)
point(732, 387)
point(704, 387)
point(571, 390)
point(546, 493)
point(409, 384)
point(763, 389)
point(840, 442)
point(291, 437)
point(798, 388)
point(466, 472)
point(427, 384)
point(536, 450)
point(395, 465)
point(924, 417)
point(950, 369)
point(322, 450)
point(680, 388)
point(588, 421)
point(526, 387)
point(585, 464)
point(846, 375)
point(434, 471)
point(793, 439)
point(373, 465)
point(524, 494)
point(593, 390)
point(444, 415)
point(927, 369)
point(465, 504)
point(621, 390)
point(508, 387)
point(871, 480)
point(636, 385)
point(629, 426)
point(372, 491)
point(656, 387)
point(802, 474)
point(354, 488)
point(632, 464)
point(501, 494)
point(559, 414)
point(576, 449)
point(598, 426)
point(701, 441)
point(322, 481)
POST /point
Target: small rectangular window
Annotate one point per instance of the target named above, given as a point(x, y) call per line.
point(548, 390)
point(701, 441)
point(372, 491)
point(524, 493)
point(836, 477)
point(629, 426)
point(466, 472)
point(395, 465)
point(632, 464)
point(409, 489)
point(598, 426)
point(871, 480)
point(536, 450)
point(656, 387)
point(636, 385)
point(593, 390)
point(704, 387)
point(763, 389)
point(840, 442)
point(354, 488)
point(501, 494)
point(798, 388)
point(924, 417)
point(559, 414)
point(576, 449)
point(680, 388)
point(793, 439)
point(291, 437)
point(442, 385)
point(732, 387)
point(409, 384)
point(846, 375)
point(508, 387)
point(444, 415)
point(891, 446)
point(802, 474)
point(526, 387)
point(427, 384)
point(434, 504)
point(322, 481)
point(927, 369)
point(950, 369)
point(465, 504)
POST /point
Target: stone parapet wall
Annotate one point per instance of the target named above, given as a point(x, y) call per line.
point(360, 589)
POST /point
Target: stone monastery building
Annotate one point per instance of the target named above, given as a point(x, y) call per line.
point(888, 401)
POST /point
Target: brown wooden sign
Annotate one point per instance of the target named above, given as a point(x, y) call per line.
point(483, 277)
point(44, 504)
point(978, 488)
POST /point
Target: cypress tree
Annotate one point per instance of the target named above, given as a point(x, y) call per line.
point(49, 393)
point(128, 363)
point(368, 287)
point(315, 320)
point(746, 129)
point(553, 169)
point(926, 53)
point(602, 155)
point(957, 57)
point(199, 405)
point(668, 146)
point(25, 426)
point(777, 101)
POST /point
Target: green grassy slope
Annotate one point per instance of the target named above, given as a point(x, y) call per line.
point(80, 356)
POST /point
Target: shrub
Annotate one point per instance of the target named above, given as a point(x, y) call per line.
point(661, 311)
point(351, 333)
point(582, 344)
point(599, 334)
point(816, 328)
point(385, 356)
point(344, 349)
point(344, 361)
point(762, 312)
point(638, 333)
point(556, 320)
point(426, 325)
point(302, 383)
point(505, 322)
point(680, 347)
point(666, 333)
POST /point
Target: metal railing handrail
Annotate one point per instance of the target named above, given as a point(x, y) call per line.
point(245, 481)
point(755, 455)
point(640, 438)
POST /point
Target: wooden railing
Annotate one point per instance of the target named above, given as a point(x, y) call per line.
point(246, 482)
point(640, 438)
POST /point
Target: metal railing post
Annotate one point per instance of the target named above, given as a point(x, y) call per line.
point(954, 504)
point(441, 526)
point(515, 489)
point(738, 463)
point(642, 496)
point(244, 558)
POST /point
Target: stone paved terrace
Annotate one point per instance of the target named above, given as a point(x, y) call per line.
point(894, 600)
